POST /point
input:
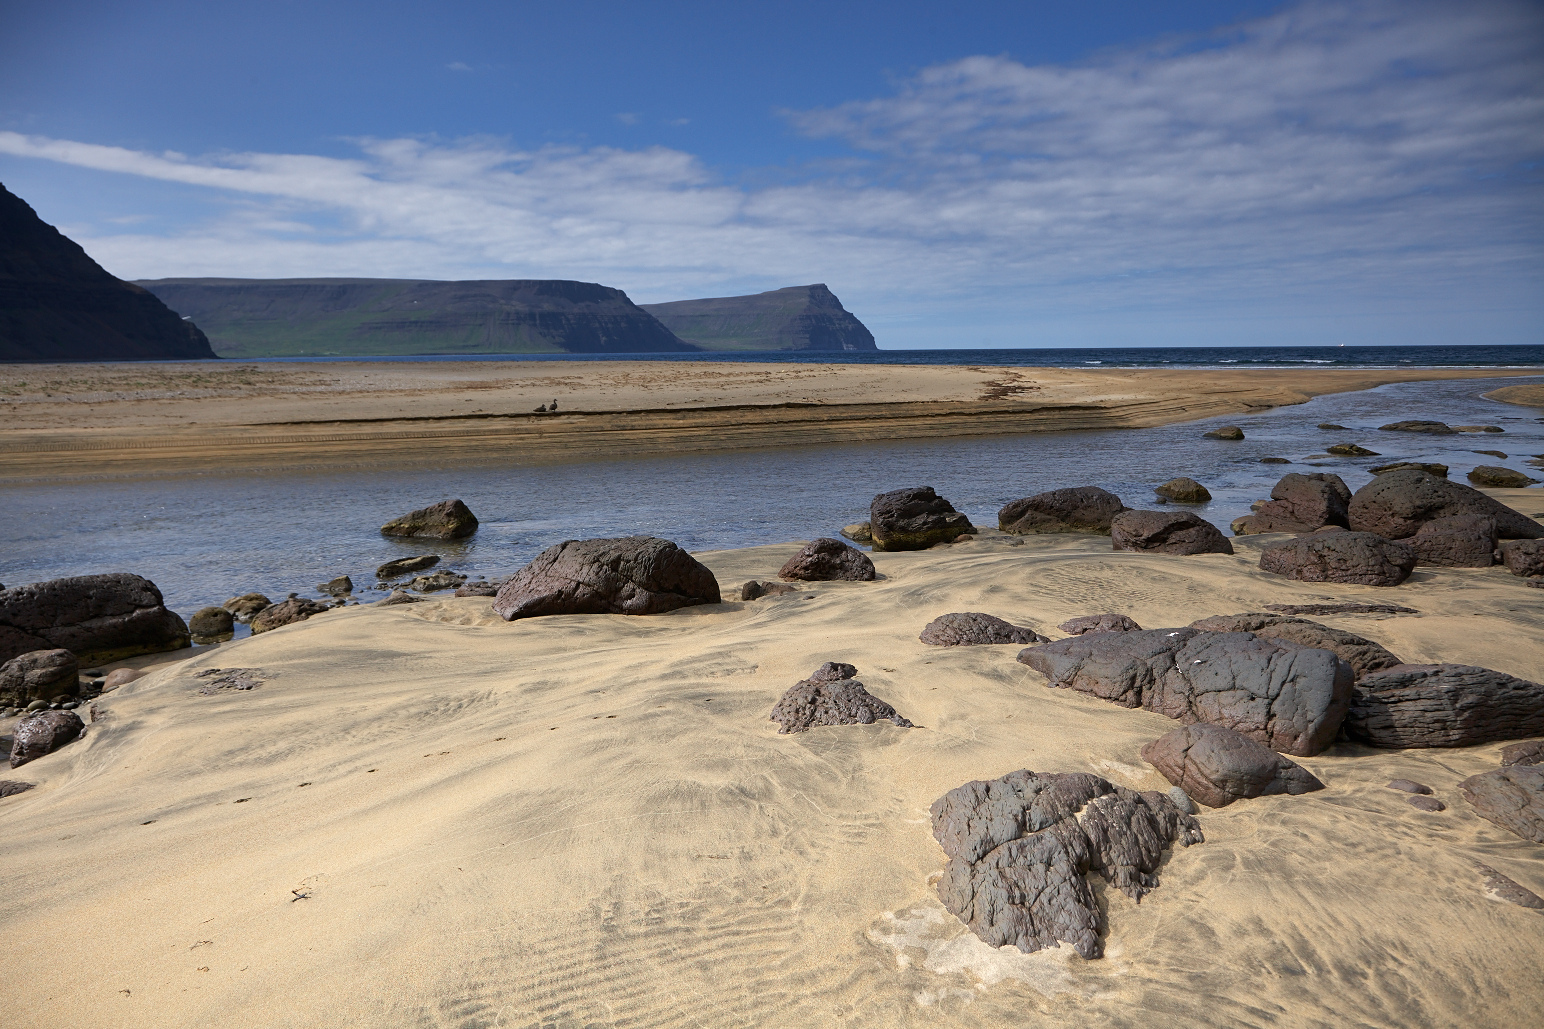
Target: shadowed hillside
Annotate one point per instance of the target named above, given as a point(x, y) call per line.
point(793, 318)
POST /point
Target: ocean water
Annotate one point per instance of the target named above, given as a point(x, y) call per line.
point(205, 538)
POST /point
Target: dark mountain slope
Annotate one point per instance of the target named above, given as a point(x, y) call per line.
point(794, 318)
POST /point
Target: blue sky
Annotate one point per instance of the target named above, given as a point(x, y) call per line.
point(1015, 174)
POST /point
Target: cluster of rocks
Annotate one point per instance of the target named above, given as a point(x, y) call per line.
point(831, 696)
point(97, 617)
point(1091, 510)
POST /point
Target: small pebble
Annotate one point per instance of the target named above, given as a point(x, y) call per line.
point(1426, 803)
point(1409, 786)
point(69, 705)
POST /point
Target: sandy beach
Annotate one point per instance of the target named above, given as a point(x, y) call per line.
point(427, 816)
point(61, 422)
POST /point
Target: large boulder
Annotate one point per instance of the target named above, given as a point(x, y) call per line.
point(212, 624)
point(1098, 623)
point(1167, 532)
point(1359, 557)
point(1397, 504)
point(286, 612)
point(1077, 509)
point(1523, 557)
point(828, 560)
point(1020, 849)
point(1362, 654)
point(914, 519)
point(1217, 766)
point(1443, 706)
point(1183, 490)
point(970, 628)
point(38, 675)
point(1458, 541)
point(1430, 428)
point(831, 696)
point(97, 617)
point(1494, 476)
point(44, 733)
point(1303, 502)
point(635, 575)
point(447, 520)
point(1512, 797)
point(1290, 698)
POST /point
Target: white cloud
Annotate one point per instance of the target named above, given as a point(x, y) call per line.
point(1336, 154)
point(458, 66)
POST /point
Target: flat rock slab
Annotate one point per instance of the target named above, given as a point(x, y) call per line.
point(914, 519)
point(40, 675)
point(286, 612)
point(1431, 804)
point(1289, 698)
point(1098, 623)
point(1216, 766)
point(1430, 428)
point(1362, 654)
point(635, 575)
point(214, 680)
point(404, 565)
point(828, 560)
point(447, 520)
point(1395, 505)
point(96, 617)
point(10, 787)
point(43, 733)
point(831, 696)
point(1512, 797)
point(1443, 705)
point(1529, 752)
point(1076, 509)
point(1429, 467)
point(1504, 888)
point(1350, 557)
point(972, 628)
point(1409, 786)
point(1167, 532)
point(1341, 609)
point(1020, 849)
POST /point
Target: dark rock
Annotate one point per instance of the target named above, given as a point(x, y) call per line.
point(10, 787)
point(1512, 797)
point(828, 560)
point(38, 674)
point(914, 519)
point(211, 624)
point(1359, 557)
point(1020, 849)
point(1302, 502)
point(1363, 655)
point(1217, 766)
point(1478, 428)
point(246, 606)
point(970, 628)
point(1396, 504)
point(791, 318)
point(399, 597)
point(1232, 432)
point(1274, 460)
point(1078, 509)
point(1098, 623)
point(1496, 477)
point(1333, 427)
point(405, 565)
point(120, 677)
point(636, 575)
point(286, 612)
point(1430, 428)
point(1341, 609)
point(1426, 803)
point(1350, 450)
point(98, 617)
point(755, 590)
point(1459, 541)
point(1490, 453)
point(1530, 752)
point(831, 697)
point(1500, 887)
point(1287, 697)
point(1167, 532)
point(342, 586)
point(858, 532)
point(1430, 468)
point(436, 581)
point(1443, 706)
point(1409, 786)
point(480, 588)
point(1184, 491)
point(44, 733)
point(447, 520)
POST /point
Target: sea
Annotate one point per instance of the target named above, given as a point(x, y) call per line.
point(207, 537)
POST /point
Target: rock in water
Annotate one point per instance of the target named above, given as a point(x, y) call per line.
point(1460, 541)
point(1429, 467)
point(246, 606)
point(971, 628)
point(286, 612)
point(480, 588)
point(212, 624)
point(404, 565)
point(1530, 752)
point(98, 617)
point(38, 675)
point(1302, 503)
point(1363, 655)
point(1443, 706)
point(636, 575)
point(1359, 557)
point(1232, 432)
point(831, 696)
point(1167, 532)
point(827, 560)
point(342, 586)
point(436, 581)
point(1217, 766)
point(1098, 623)
point(1500, 887)
point(1078, 509)
point(1350, 450)
point(914, 519)
point(1184, 491)
point(1020, 849)
point(1397, 504)
point(447, 520)
point(858, 532)
point(1523, 557)
point(791, 318)
point(57, 304)
point(44, 733)
point(1287, 697)
point(1430, 428)
point(1494, 476)
point(1512, 797)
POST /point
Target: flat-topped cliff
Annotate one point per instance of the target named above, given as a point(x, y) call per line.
point(387, 317)
point(793, 318)
point(57, 304)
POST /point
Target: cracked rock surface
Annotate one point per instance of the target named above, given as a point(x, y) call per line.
point(1362, 654)
point(1512, 797)
point(1443, 706)
point(1098, 623)
point(831, 696)
point(1020, 849)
